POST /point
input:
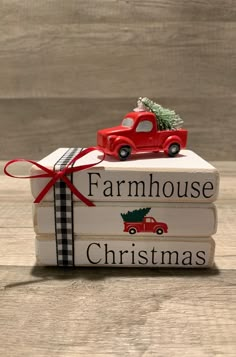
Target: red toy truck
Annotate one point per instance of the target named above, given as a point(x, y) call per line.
point(138, 133)
point(148, 224)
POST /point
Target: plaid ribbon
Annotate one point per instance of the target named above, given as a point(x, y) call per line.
point(61, 179)
point(63, 209)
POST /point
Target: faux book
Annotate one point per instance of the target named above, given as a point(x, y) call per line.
point(184, 178)
point(127, 252)
point(130, 218)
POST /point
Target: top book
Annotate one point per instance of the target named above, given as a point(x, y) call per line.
point(157, 178)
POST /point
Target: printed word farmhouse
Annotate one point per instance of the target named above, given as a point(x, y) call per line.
point(149, 186)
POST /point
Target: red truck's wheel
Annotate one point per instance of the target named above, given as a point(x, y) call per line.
point(173, 149)
point(159, 231)
point(132, 230)
point(124, 152)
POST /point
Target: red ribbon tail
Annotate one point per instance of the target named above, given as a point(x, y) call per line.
point(59, 175)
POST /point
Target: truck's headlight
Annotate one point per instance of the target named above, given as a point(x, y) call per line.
point(110, 140)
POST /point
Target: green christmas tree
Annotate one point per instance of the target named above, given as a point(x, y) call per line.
point(167, 118)
point(135, 216)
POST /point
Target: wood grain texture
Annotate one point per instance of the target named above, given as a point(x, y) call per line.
point(183, 59)
point(117, 313)
point(32, 128)
point(77, 11)
point(79, 66)
point(116, 49)
point(113, 312)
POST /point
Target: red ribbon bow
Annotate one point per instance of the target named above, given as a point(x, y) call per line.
point(59, 175)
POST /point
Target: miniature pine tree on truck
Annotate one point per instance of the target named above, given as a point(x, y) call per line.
point(135, 216)
point(167, 118)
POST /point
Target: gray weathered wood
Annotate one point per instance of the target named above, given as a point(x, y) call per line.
point(117, 312)
point(91, 55)
point(105, 60)
point(78, 11)
point(116, 49)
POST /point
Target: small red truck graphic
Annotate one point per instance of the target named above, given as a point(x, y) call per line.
point(148, 224)
point(139, 132)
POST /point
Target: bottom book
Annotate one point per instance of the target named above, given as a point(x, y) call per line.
point(119, 252)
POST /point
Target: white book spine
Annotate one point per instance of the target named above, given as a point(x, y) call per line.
point(169, 252)
point(185, 178)
point(166, 219)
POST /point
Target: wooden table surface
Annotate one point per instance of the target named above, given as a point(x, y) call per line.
point(114, 312)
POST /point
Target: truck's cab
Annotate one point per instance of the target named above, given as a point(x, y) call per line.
point(138, 132)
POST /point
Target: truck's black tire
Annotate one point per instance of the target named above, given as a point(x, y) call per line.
point(173, 149)
point(124, 152)
point(159, 231)
point(132, 230)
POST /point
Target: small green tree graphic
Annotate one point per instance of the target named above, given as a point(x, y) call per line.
point(135, 216)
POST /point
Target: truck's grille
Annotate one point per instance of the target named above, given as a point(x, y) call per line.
point(101, 140)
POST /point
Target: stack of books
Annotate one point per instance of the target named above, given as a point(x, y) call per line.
point(150, 211)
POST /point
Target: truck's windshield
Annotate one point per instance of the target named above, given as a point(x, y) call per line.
point(128, 122)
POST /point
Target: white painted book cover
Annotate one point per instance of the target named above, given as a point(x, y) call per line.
point(131, 218)
point(184, 178)
point(128, 252)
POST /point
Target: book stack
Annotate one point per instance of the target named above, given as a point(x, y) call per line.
point(150, 211)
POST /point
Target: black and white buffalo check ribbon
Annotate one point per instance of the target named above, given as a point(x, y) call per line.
point(63, 209)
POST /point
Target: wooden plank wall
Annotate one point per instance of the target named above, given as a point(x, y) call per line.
point(68, 68)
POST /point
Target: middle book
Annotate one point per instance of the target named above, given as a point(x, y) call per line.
point(132, 218)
